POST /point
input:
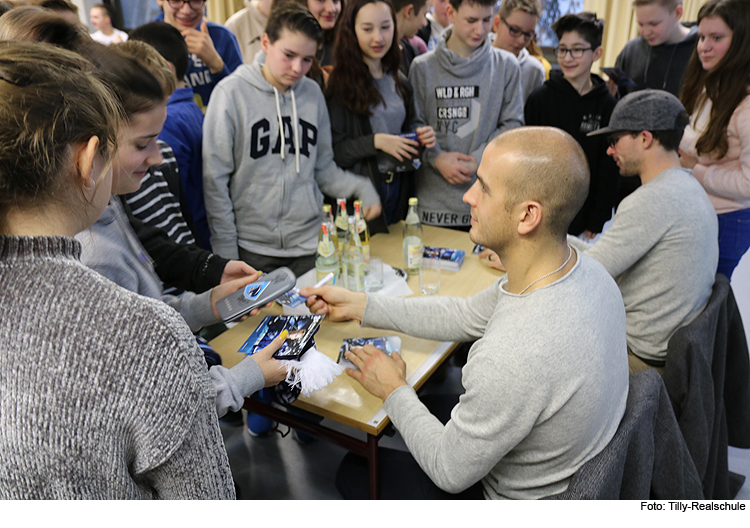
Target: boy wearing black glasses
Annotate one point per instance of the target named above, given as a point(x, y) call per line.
point(514, 27)
point(579, 102)
point(213, 49)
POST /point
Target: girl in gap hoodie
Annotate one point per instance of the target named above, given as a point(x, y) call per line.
point(263, 186)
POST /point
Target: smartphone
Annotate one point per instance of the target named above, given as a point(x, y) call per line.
point(261, 292)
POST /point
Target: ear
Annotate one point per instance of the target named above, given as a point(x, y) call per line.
point(647, 139)
point(265, 42)
point(598, 53)
point(451, 13)
point(84, 160)
point(496, 24)
point(529, 218)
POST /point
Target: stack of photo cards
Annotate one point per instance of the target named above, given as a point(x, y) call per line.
point(388, 345)
point(300, 339)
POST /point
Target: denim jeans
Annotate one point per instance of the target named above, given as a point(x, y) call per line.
point(734, 239)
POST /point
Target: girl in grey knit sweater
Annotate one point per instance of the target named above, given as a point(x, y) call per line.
point(105, 393)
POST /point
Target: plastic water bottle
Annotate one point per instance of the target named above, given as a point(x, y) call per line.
point(413, 239)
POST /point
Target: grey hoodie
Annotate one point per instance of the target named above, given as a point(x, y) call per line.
point(468, 101)
point(532, 73)
point(261, 193)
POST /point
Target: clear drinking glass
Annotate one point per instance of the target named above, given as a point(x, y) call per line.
point(429, 276)
point(374, 275)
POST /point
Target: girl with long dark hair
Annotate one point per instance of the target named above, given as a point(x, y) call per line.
point(716, 144)
point(370, 103)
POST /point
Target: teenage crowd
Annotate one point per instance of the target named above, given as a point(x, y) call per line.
point(165, 165)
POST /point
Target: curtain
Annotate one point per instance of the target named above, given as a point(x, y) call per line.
point(220, 10)
point(621, 26)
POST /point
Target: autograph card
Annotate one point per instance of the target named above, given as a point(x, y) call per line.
point(301, 330)
point(388, 345)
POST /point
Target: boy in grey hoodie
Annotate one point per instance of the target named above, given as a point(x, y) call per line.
point(469, 92)
point(262, 187)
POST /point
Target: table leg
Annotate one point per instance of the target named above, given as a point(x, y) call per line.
point(372, 465)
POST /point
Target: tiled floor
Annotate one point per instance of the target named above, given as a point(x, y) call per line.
point(281, 468)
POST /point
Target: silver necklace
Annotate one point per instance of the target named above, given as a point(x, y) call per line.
point(570, 254)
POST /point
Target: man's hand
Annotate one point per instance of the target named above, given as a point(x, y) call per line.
point(339, 304)
point(426, 135)
point(399, 147)
point(228, 288)
point(200, 44)
point(456, 167)
point(237, 269)
point(373, 211)
point(378, 373)
point(493, 261)
point(273, 370)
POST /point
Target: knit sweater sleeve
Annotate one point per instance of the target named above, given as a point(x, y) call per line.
point(479, 434)
point(175, 430)
point(636, 228)
point(195, 469)
point(460, 319)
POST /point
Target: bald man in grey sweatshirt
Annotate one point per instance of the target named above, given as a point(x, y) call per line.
point(546, 380)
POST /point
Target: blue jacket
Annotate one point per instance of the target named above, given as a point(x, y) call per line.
point(198, 76)
point(183, 131)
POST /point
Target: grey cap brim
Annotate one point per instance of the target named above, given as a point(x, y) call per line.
point(605, 130)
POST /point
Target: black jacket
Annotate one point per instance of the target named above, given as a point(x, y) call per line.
point(354, 149)
point(556, 103)
point(707, 376)
point(183, 266)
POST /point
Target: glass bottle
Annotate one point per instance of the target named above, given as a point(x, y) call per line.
point(413, 239)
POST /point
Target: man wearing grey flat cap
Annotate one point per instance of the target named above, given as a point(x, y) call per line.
point(661, 248)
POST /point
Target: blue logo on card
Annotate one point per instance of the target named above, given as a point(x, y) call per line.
point(253, 291)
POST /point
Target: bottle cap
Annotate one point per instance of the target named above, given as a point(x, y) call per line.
point(412, 201)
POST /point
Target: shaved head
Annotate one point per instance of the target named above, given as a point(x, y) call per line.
point(550, 168)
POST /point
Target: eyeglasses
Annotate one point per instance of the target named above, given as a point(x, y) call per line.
point(614, 138)
point(516, 31)
point(576, 53)
point(177, 4)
